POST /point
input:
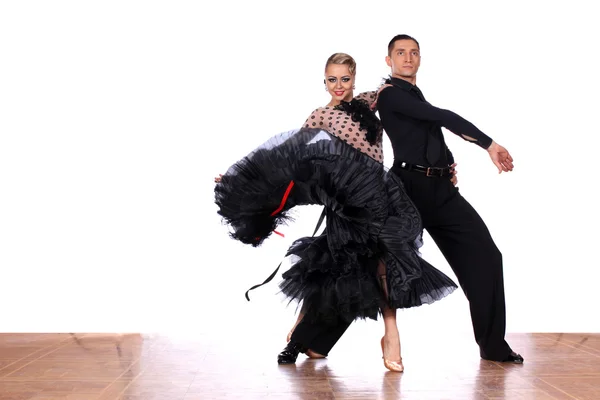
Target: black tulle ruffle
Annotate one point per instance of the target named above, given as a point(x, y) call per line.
point(331, 287)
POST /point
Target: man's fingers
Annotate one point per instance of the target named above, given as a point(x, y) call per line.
point(498, 165)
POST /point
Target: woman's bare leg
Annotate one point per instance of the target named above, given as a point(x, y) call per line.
point(391, 339)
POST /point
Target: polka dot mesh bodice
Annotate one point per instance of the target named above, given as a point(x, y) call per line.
point(340, 124)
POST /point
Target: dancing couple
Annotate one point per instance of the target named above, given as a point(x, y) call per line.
point(366, 263)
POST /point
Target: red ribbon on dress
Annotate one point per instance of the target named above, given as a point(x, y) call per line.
point(284, 199)
point(282, 204)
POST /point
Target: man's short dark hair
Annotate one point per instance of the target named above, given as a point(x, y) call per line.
point(400, 37)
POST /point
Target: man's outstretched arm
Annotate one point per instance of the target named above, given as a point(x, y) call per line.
point(402, 102)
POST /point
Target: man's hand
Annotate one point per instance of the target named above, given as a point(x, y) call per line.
point(454, 179)
point(500, 157)
point(218, 178)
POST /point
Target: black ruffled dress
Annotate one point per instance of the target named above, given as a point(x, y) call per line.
point(369, 218)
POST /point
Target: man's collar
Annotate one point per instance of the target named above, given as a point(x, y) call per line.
point(402, 83)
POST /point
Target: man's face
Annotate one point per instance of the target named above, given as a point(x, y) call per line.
point(405, 58)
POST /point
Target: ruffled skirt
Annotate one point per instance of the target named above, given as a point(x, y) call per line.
point(370, 219)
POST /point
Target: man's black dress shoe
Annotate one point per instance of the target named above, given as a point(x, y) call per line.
point(514, 358)
point(511, 358)
point(290, 353)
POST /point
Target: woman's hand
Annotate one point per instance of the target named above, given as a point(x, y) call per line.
point(454, 179)
point(374, 104)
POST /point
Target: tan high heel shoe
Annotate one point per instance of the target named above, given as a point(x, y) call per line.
point(393, 366)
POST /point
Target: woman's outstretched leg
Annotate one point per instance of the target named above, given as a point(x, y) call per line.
point(390, 342)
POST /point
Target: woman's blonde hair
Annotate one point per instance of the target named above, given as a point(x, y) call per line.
point(344, 59)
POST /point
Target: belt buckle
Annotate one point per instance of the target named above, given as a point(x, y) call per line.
point(431, 171)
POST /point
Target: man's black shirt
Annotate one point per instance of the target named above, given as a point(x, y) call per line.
point(410, 122)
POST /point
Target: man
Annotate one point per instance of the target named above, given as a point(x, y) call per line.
point(423, 162)
point(425, 165)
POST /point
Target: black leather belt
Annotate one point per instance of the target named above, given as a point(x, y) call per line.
point(428, 171)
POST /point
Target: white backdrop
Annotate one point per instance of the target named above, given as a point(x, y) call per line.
point(116, 116)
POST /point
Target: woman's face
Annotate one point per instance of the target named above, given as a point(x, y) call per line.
point(339, 83)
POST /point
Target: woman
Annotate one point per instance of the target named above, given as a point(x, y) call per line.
point(366, 262)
